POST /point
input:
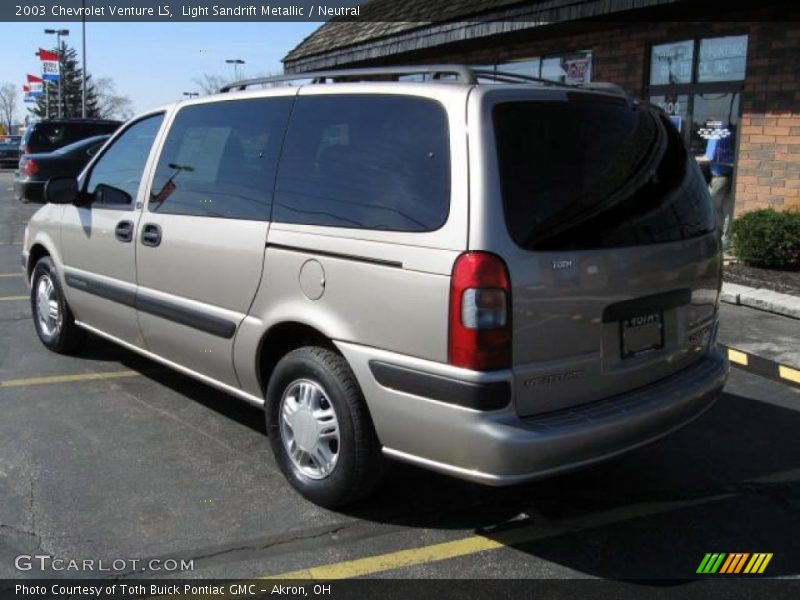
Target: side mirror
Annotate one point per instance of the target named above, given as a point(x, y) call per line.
point(61, 190)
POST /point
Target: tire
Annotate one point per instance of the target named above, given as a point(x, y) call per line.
point(351, 466)
point(57, 331)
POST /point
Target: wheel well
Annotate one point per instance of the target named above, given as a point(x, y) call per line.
point(282, 339)
point(37, 253)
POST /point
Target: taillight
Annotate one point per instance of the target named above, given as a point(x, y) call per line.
point(480, 313)
point(29, 167)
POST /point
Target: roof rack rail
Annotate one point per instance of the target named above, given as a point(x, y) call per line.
point(460, 73)
point(509, 77)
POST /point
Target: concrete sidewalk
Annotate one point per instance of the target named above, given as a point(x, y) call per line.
point(761, 299)
point(764, 334)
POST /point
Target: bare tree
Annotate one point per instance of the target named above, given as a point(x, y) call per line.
point(8, 105)
point(110, 104)
point(210, 83)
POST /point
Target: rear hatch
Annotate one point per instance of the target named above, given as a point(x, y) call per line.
point(615, 267)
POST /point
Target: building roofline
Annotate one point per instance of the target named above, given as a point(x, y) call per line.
point(430, 35)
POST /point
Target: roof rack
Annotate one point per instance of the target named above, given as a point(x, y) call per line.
point(459, 73)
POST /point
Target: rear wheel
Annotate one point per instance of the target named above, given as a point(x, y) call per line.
point(319, 428)
point(52, 317)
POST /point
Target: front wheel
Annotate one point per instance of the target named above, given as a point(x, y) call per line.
point(319, 428)
point(52, 317)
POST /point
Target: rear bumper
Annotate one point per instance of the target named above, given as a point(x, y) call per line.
point(32, 191)
point(497, 447)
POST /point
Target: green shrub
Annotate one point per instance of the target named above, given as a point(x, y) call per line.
point(767, 238)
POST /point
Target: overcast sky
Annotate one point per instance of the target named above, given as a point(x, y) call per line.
point(153, 63)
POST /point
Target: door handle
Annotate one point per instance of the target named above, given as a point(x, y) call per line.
point(151, 235)
point(124, 231)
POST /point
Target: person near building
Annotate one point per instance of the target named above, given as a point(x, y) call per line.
point(719, 157)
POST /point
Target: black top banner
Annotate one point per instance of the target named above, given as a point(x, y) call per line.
point(422, 12)
point(187, 11)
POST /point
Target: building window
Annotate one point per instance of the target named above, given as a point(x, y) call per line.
point(722, 59)
point(671, 63)
point(699, 84)
point(573, 68)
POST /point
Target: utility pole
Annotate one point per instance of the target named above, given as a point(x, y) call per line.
point(191, 94)
point(58, 33)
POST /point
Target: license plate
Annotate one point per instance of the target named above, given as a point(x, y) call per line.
point(642, 334)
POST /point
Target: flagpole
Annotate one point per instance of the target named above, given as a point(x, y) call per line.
point(83, 40)
point(58, 43)
point(58, 33)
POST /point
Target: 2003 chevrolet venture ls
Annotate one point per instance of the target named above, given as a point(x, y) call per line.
point(488, 276)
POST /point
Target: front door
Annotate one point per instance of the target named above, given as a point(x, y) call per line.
point(97, 236)
point(201, 242)
point(699, 84)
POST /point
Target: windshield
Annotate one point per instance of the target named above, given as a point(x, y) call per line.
point(594, 172)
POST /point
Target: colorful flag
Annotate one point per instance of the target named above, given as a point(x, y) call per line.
point(35, 86)
point(49, 60)
point(26, 89)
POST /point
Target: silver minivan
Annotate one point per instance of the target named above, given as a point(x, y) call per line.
point(489, 276)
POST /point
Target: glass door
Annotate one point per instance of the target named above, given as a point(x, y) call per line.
point(698, 83)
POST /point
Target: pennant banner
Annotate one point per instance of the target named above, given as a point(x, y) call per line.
point(26, 89)
point(49, 60)
point(35, 86)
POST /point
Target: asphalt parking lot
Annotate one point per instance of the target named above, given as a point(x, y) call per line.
point(107, 456)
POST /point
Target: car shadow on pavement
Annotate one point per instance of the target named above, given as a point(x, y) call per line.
point(729, 482)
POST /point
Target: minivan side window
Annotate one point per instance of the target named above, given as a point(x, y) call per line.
point(367, 162)
point(115, 177)
point(219, 159)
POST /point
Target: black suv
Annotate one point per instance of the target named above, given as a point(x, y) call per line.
point(51, 134)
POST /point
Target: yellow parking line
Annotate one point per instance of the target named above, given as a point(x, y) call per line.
point(49, 380)
point(789, 373)
point(10, 274)
point(4, 298)
point(737, 357)
point(395, 560)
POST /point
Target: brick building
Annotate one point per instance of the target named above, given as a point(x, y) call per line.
point(727, 72)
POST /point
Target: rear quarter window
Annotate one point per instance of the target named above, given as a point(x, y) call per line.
point(365, 162)
point(586, 173)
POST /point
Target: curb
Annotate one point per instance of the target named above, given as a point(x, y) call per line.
point(761, 299)
point(763, 367)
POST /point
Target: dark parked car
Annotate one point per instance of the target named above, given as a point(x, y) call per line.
point(36, 169)
point(9, 150)
point(51, 134)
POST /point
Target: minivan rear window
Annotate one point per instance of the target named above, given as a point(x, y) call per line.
point(581, 173)
point(48, 136)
